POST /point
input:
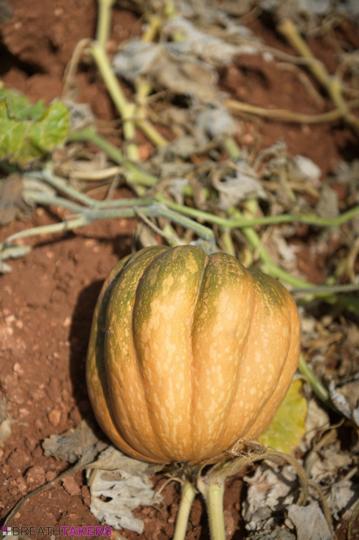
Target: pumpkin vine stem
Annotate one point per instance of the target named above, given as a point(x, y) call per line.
point(104, 21)
point(188, 493)
point(212, 490)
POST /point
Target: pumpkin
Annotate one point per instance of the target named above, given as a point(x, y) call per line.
point(189, 353)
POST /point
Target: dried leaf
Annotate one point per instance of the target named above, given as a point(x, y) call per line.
point(5, 423)
point(145, 235)
point(346, 400)
point(309, 522)
point(176, 188)
point(75, 444)
point(269, 491)
point(328, 464)
point(327, 206)
point(277, 534)
point(208, 48)
point(307, 169)
point(288, 425)
point(216, 122)
point(11, 201)
point(191, 78)
point(317, 420)
point(244, 184)
point(118, 485)
point(342, 495)
point(136, 58)
point(81, 115)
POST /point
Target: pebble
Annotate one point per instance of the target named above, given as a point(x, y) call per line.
point(38, 424)
point(75, 415)
point(50, 475)
point(38, 452)
point(18, 459)
point(71, 486)
point(67, 322)
point(86, 497)
point(35, 476)
point(54, 417)
point(30, 443)
point(18, 369)
point(21, 485)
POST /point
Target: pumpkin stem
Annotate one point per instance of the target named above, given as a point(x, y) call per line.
point(212, 490)
point(188, 494)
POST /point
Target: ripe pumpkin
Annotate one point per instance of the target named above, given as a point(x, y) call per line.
point(189, 353)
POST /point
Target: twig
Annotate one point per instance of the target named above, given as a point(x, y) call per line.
point(14, 252)
point(286, 116)
point(227, 242)
point(332, 84)
point(245, 222)
point(134, 174)
point(40, 489)
point(151, 132)
point(63, 226)
point(324, 504)
point(305, 80)
point(93, 213)
point(95, 176)
point(269, 265)
point(143, 89)
point(319, 390)
point(168, 235)
point(72, 66)
point(124, 107)
point(104, 21)
point(231, 147)
point(35, 197)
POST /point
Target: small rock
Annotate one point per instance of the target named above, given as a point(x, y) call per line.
point(38, 423)
point(67, 322)
point(5, 430)
point(35, 476)
point(18, 459)
point(38, 452)
point(71, 486)
point(50, 475)
point(54, 417)
point(75, 416)
point(17, 396)
point(21, 485)
point(18, 369)
point(30, 443)
point(86, 497)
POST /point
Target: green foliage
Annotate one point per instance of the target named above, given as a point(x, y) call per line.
point(27, 131)
point(288, 425)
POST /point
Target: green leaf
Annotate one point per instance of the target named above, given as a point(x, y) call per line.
point(27, 131)
point(288, 425)
point(19, 107)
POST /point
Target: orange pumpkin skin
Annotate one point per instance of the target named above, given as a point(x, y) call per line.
point(189, 353)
